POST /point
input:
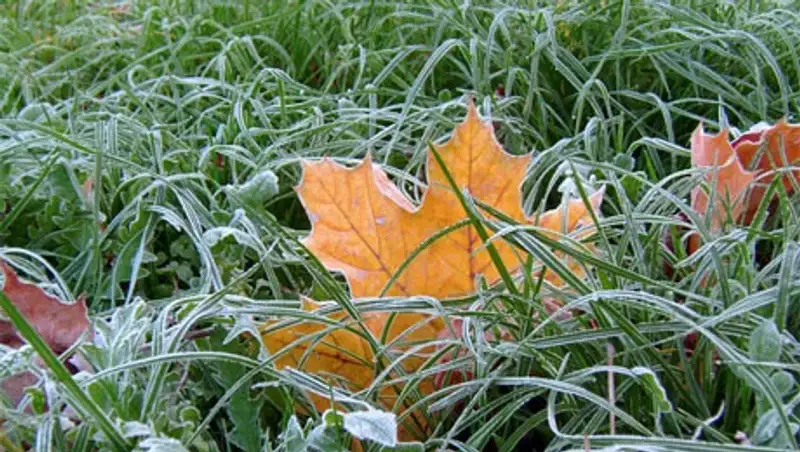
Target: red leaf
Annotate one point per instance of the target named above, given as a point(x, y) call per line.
point(730, 177)
point(60, 324)
point(745, 166)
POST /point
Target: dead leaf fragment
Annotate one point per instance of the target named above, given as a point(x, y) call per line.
point(58, 323)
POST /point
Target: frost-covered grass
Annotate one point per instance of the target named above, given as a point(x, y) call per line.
point(188, 120)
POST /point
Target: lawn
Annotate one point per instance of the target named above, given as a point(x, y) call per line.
point(155, 163)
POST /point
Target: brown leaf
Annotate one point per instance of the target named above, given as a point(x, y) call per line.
point(14, 386)
point(8, 335)
point(60, 324)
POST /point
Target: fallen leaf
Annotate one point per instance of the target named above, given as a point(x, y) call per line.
point(781, 150)
point(572, 216)
point(366, 228)
point(742, 170)
point(342, 356)
point(59, 324)
point(726, 175)
point(14, 386)
point(8, 335)
point(339, 353)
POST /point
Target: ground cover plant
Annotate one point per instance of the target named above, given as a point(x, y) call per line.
point(152, 156)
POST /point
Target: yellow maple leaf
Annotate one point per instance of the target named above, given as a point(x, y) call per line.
point(342, 356)
point(365, 227)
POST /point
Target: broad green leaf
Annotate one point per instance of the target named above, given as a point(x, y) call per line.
point(324, 438)
point(374, 425)
point(765, 342)
point(293, 437)
point(257, 190)
point(783, 381)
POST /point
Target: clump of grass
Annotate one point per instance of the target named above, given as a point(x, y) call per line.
point(147, 155)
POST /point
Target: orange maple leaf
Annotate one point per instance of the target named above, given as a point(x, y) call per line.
point(339, 354)
point(366, 228)
point(726, 173)
point(767, 152)
point(58, 323)
point(741, 170)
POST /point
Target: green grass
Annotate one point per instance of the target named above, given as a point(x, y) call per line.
point(180, 113)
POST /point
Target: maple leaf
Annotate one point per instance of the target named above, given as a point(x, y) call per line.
point(726, 174)
point(768, 151)
point(366, 228)
point(340, 355)
point(742, 169)
point(59, 324)
point(340, 352)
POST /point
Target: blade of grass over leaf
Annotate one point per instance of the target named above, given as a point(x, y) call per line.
point(476, 223)
point(80, 400)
